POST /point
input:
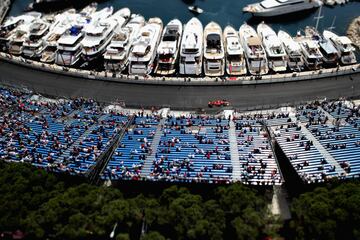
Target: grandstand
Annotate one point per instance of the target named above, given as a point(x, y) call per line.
point(320, 140)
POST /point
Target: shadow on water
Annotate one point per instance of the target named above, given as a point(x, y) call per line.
point(292, 17)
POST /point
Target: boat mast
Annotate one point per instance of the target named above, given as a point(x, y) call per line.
point(318, 18)
point(332, 27)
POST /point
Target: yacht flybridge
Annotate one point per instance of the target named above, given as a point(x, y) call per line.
point(34, 43)
point(255, 54)
point(344, 45)
point(168, 50)
point(271, 8)
point(234, 53)
point(214, 55)
point(117, 53)
point(143, 53)
point(293, 50)
point(191, 50)
point(275, 51)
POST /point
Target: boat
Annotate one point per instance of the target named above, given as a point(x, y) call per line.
point(293, 50)
point(34, 43)
point(313, 58)
point(214, 54)
point(61, 25)
point(254, 52)
point(191, 50)
point(272, 8)
point(235, 63)
point(274, 48)
point(329, 52)
point(143, 52)
point(344, 45)
point(117, 53)
point(21, 33)
point(168, 49)
point(195, 9)
point(99, 34)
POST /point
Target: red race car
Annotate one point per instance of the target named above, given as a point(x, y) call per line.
point(218, 103)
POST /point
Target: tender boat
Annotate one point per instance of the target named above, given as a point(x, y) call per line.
point(234, 53)
point(275, 51)
point(293, 50)
point(330, 53)
point(313, 58)
point(34, 43)
point(99, 33)
point(168, 50)
point(271, 8)
point(117, 53)
point(143, 53)
point(191, 50)
point(254, 52)
point(344, 45)
point(195, 9)
point(214, 54)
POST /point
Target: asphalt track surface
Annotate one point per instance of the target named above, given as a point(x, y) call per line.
point(189, 97)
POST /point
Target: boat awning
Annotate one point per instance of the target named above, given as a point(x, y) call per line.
point(344, 40)
point(254, 41)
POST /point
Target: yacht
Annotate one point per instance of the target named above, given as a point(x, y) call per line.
point(16, 39)
point(34, 43)
point(271, 8)
point(168, 50)
point(313, 58)
point(61, 25)
point(69, 47)
point(99, 34)
point(254, 52)
point(117, 53)
point(330, 53)
point(214, 54)
point(293, 50)
point(275, 51)
point(191, 50)
point(143, 52)
point(234, 53)
point(344, 46)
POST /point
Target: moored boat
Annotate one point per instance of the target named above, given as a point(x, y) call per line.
point(293, 50)
point(344, 45)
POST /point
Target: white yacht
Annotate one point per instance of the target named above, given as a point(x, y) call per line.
point(214, 54)
point(168, 50)
point(143, 52)
point(20, 33)
point(117, 53)
point(330, 53)
point(34, 43)
point(344, 45)
point(271, 8)
point(293, 50)
point(313, 58)
point(191, 50)
point(234, 53)
point(254, 52)
point(61, 25)
point(99, 33)
point(275, 51)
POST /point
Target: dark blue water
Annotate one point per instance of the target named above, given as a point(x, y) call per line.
point(226, 12)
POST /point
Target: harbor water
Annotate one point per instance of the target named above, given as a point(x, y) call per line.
point(226, 12)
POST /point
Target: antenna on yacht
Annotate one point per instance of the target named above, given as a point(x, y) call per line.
point(318, 18)
point(332, 27)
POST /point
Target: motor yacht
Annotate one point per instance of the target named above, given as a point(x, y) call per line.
point(143, 52)
point(34, 43)
point(254, 52)
point(271, 8)
point(214, 54)
point(344, 46)
point(275, 51)
point(168, 50)
point(191, 50)
point(234, 53)
point(293, 50)
point(313, 58)
point(117, 53)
